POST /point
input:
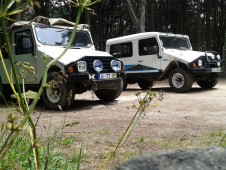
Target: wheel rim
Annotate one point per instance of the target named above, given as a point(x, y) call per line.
point(53, 93)
point(178, 80)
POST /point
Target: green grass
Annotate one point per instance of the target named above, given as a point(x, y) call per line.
point(20, 156)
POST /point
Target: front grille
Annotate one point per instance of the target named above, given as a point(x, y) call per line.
point(210, 64)
point(106, 64)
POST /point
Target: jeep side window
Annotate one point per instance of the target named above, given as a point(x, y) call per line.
point(122, 50)
point(148, 46)
point(24, 42)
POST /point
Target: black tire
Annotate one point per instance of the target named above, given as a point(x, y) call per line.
point(125, 84)
point(208, 83)
point(109, 95)
point(5, 93)
point(180, 80)
point(145, 84)
point(59, 95)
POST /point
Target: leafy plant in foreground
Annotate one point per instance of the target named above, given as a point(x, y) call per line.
point(16, 126)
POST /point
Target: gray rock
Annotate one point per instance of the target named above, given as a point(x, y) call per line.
point(213, 158)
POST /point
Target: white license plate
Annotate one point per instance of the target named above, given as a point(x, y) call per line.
point(215, 70)
point(107, 76)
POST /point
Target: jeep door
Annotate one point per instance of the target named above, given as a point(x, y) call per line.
point(148, 58)
point(24, 56)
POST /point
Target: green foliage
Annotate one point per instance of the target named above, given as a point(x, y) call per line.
point(20, 155)
point(128, 154)
point(141, 139)
point(67, 141)
point(222, 142)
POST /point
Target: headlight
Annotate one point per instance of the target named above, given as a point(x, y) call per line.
point(81, 66)
point(116, 65)
point(98, 66)
point(218, 57)
point(199, 63)
point(218, 63)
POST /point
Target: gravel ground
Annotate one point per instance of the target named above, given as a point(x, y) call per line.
point(173, 120)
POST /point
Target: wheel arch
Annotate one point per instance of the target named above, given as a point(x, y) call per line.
point(53, 68)
point(176, 64)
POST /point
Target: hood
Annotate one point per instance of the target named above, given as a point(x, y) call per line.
point(71, 55)
point(188, 56)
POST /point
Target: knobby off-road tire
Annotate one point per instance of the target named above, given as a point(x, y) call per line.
point(59, 95)
point(145, 84)
point(109, 95)
point(208, 83)
point(180, 80)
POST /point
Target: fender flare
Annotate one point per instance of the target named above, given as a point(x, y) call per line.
point(176, 64)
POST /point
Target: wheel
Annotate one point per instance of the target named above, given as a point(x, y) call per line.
point(145, 84)
point(125, 83)
point(59, 95)
point(180, 80)
point(208, 83)
point(5, 93)
point(109, 95)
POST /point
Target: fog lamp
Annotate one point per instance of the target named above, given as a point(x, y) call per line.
point(98, 66)
point(116, 65)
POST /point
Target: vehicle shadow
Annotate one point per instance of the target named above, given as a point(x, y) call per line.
point(168, 90)
point(78, 105)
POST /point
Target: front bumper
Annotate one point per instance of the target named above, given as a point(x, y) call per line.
point(111, 84)
point(92, 82)
point(206, 70)
point(205, 73)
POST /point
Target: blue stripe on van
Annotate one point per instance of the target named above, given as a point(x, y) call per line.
point(142, 71)
point(139, 69)
point(129, 66)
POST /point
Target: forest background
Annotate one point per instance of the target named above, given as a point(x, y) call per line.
point(204, 21)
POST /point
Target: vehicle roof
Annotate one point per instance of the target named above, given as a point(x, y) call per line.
point(141, 35)
point(40, 20)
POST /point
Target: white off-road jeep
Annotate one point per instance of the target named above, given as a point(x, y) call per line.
point(154, 56)
point(81, 68)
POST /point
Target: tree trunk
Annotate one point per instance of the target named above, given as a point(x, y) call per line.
point(142, 15)
point(208, 24)
point(133, 15)
point(222, 26)
point(151, 18)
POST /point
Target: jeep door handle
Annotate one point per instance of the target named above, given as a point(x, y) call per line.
point(140, 61)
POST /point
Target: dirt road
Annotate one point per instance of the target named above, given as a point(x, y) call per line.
point(188, 120)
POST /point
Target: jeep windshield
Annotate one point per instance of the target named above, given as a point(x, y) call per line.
point(173, 42)
point(60, 37)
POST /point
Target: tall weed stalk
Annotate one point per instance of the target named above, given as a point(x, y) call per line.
point(143, 105)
